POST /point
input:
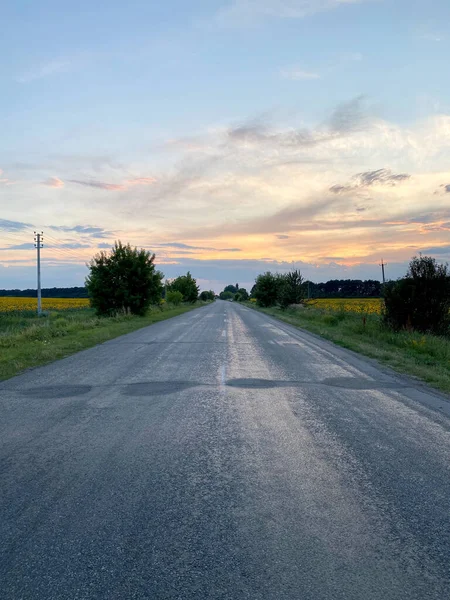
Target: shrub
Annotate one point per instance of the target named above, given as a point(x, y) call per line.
point(174, 297)
point(266, 289)
point(241, 295)
point(123, 280)
point(207, 296)
point(226, 295)
point(185, 284)
point(421, 300)
point(291, 289)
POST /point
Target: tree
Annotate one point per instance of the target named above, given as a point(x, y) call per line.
point(421, 299)
point(174, 297)
point(242, 295)
point(207, 296)
point(226, 295)
point(266, 289)
point(231, 288)
point(187, 285)
point(291, 289)
point(123, 279)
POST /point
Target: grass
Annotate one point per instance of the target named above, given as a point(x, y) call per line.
point(29, 341)
point(426, 357)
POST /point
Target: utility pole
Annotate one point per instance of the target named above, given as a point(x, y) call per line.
point(382, 265)
point(38, 243)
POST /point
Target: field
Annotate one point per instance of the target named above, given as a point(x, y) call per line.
point(364, 306)
point(9, 305)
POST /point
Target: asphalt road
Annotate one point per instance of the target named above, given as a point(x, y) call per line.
point(222, 455)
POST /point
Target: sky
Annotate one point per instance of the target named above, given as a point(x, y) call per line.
point(229, 137)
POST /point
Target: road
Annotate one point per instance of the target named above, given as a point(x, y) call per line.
point(222, 455)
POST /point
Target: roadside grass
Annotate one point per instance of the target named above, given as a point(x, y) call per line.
point(27, 340)
point(425, 357)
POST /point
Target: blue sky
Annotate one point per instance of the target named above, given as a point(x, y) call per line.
point(227, 136)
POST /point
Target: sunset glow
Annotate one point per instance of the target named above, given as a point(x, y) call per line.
point(228, 140)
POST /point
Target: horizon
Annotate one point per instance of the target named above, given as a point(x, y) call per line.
point(229, 137)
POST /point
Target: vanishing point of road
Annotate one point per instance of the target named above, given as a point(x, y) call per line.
point(222, 455)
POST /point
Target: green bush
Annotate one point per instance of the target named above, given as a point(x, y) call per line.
point(266, 289)
point(241, 295)
point(421, 300)
point(291, 289)
point(207, 296)
point(185, 284)
point(123, 280)
point(226, 295)
point(175, 297)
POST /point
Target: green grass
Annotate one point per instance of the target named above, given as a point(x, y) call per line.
point(426, 357)
point(29, 341)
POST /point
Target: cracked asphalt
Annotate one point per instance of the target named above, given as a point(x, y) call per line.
point(222, 455)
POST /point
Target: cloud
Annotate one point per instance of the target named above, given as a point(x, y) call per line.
point(445, 249)
point(141, 181)
point(73, 245)
point(296, 74)
point(447, 189)
point(25, 246)
point(370, 178)
point(283, 237)
point(54, 182)
point(115, 187)
point(245, 12)
point(5, 180)
point(44, 70)
point(182, 246)
point(13, 225)
point(346, 119)
point(31, 246)
point(349, 117)
point(100, 185)
point(94, 232)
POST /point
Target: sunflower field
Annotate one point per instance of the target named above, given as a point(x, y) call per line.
point(15, 305)
point(366, 306)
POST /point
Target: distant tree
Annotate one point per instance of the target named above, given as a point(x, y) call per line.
point(231, 288)
point(174, 297)
point(421, 299)
point(241, 295)
point(185, 284)
point(207, 296)
point(266, 289)
point(72, 292)
point(226, 295)
point(123, 279)
point(291, 289)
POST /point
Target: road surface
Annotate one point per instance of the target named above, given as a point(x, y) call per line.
point(222, 455)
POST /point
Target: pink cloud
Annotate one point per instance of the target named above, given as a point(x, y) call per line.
point(54, 182)
point(115, 187)
point(141, 181)
point(5, 180)
point(99, 184)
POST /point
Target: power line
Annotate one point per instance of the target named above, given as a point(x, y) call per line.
point(16, 237)
point(68, 252)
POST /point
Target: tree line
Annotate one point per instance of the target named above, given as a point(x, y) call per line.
point(55, 292)
point(344, 288)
